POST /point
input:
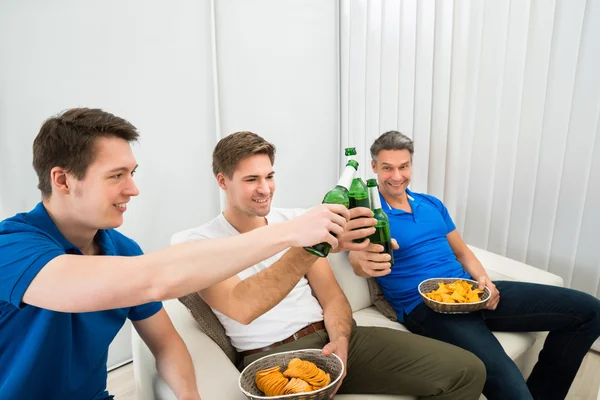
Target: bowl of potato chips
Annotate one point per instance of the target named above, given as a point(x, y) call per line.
point(299, 375)
point(453, 296)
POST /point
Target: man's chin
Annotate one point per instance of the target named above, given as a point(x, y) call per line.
point(261, 211)
point(113, 223)
point(396, 192)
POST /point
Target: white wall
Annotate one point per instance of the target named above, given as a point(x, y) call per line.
point(278, 77)
point(146, 61)
point(502, 99)
point(152, 63)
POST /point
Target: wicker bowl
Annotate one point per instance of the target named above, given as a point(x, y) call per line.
point(430, 285)
point(332, 365)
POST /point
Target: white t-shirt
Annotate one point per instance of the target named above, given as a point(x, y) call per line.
point(298, 309)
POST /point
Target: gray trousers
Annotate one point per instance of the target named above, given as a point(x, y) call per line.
point(388, 361)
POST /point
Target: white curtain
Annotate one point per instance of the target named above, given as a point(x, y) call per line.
point(502, 99)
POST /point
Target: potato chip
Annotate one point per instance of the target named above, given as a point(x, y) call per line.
point(299, 377)
point(297, 385)
point(271, 384)
point(458, 291)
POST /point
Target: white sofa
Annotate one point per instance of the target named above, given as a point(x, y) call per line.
point(217, 377)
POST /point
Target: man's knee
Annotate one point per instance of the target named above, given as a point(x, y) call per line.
point(475, 367)
point(466, 368)
point(589, 313)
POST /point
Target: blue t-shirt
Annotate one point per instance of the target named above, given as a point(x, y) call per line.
point(47, 354)
point(424, 250)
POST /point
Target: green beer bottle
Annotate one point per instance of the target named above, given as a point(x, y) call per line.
point(338, 195)
point(382, 234)
point(358, 193)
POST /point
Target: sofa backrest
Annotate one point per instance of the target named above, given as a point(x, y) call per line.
point(355, 288)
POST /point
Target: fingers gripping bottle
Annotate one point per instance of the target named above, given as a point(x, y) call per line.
point(357, 193)
point(382, 234)
point(337, 195)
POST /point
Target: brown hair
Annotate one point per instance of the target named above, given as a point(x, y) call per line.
point(234, 148)
point(67, 141)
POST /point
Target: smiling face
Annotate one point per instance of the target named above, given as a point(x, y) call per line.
point(393, 169)
point(251, 187)
point(99, 200)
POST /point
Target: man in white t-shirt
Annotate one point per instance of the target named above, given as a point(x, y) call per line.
point(293, 301)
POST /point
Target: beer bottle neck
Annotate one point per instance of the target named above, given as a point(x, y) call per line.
point(347, 176)
point(375, 200)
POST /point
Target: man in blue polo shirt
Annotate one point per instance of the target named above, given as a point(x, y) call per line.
point(429, 247)
point(61, 305)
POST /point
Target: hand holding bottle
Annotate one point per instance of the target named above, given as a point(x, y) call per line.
point(361, 225)
point(372, 261)
point(337, 195)
point(318, 224)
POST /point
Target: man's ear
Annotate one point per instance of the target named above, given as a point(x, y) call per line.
point(221, 181)
point(374, 167)
point(60, 180)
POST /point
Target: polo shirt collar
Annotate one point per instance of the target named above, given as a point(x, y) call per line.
point(40, 218)
point(413, 200)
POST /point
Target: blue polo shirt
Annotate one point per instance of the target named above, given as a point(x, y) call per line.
point(424, 250)
point(46, 354)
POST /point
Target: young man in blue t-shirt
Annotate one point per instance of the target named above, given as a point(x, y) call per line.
point(61, 304)
point(430, 247)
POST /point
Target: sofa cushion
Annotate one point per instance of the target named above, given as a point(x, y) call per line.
point(506, 269)
point(355, 288)
point(209, 324)
point(379, 300)
point(370, 316)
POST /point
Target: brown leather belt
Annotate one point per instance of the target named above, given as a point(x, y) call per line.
point(307, 330)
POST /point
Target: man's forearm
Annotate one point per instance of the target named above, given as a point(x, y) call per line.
point(202, 264)
point(175, 366)
point(263, 291)
point(473, 266)
point(338, 319)
point(165, 274)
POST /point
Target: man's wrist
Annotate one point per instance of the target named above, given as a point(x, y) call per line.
point(342, 339)
point(300, 259)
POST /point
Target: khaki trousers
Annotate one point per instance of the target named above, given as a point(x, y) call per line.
point(388, 361)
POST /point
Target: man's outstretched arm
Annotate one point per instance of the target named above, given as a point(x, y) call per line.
point(74, 283)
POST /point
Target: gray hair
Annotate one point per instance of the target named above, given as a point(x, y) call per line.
point(392, 140)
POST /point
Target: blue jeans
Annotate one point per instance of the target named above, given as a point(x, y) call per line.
point(571, 316)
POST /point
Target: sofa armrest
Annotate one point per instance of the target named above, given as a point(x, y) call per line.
point(216, 376)
point(504, 268)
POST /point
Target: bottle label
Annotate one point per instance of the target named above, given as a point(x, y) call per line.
point(375, 200)
point(347, 176)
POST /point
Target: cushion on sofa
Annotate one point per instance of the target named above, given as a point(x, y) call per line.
point(209, 324)
point(380, 301)
point(355, 288)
